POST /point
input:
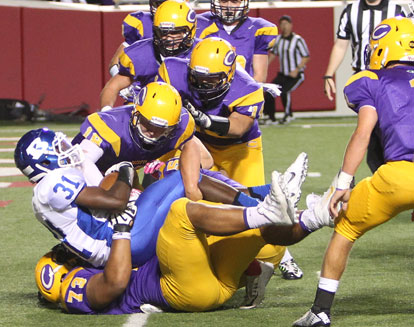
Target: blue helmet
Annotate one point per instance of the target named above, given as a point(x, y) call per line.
point(39, 151)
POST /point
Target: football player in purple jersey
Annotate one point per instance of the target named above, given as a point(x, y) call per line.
point(382, 94)
point(157, 126)
point(190, 272)
point(136, 26)
point(252, 37)
point(174, 29)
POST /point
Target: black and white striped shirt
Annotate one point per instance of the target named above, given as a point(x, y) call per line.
point(357, 22)
point(290, 50)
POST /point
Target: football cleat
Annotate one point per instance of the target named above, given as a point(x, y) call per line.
point(293, 178)
point(311, 319)
point(276, 207)
point(290, 270)
point(256, 285)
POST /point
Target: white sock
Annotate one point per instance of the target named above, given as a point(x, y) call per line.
point(308, 221)
point(286, 257)
point(254, 219)
point(329, 285)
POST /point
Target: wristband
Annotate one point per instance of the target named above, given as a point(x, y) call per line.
point(220, 125)
point(344, 181)
point(121, 236)
point(327, 77)
point(106, 108)
point(114, 70)
point(124, 175)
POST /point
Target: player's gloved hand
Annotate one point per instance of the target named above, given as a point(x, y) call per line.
point(272, 89)
point(123, 222)
point(117, 166)
point(201, 119)
point(130, 92)
point(153, 168)
point(126, 172)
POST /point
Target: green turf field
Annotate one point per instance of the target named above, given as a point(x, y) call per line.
point(376, 289)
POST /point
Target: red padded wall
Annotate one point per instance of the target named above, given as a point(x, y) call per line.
point(315, 26)
point(62, 57)
point(11, 53)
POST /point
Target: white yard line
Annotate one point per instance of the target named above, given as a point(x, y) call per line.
point(7, 150)
point(136, 320)
point(6, 161)
point(9, 172)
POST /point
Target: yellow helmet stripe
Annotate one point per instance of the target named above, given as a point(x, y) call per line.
point(106, 132)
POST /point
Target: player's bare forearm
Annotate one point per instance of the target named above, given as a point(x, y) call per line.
point(190, 162)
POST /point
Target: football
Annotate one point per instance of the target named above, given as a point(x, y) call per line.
point(109, 180)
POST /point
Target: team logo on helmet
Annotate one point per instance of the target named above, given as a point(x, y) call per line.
point(380, 31)
point(47, 277)
point(141, 96)
point(191, 16)
point(230, 57)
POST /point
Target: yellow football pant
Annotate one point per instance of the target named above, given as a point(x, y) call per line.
point(377, 199)
point(242, 162)
point(200, 273)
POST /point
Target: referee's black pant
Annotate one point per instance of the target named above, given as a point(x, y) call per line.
point(288, 84)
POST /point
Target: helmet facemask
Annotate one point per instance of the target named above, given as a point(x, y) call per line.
point(209, 86)
point(170, 40)
point(152, 132)
point(230, 14)
point(68, 155)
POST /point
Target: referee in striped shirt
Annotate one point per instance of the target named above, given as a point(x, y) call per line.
point(293, 56)
point(356, 24)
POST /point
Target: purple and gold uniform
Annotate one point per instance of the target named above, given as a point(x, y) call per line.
point(143, 287)
point(253, 36)
point(389, 191)
point(167, 280)
point(111, 131)
point(137, 26)
point(245, 97)
point(140, 62)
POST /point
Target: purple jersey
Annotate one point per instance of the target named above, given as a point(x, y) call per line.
point(143, 287)
point(390, 91)
point(137, 26)
point(140, 62)
point(112, 132)
point(245, 97)
point(253, 36)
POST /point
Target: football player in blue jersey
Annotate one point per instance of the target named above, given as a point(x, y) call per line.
point(190, 272)
point(382, 94)
point(251, 37)
point(174, 29)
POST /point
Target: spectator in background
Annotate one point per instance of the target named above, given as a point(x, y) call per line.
point(293, 56)
point(357, 22)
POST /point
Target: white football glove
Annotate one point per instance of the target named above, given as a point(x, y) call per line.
point(129, 92)
point(200, 118)
point(272, 89)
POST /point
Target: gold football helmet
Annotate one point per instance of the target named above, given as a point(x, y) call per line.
point(231, 13)
point(211, 68)
point(156, 114)
point(174, 27)
point(391, 41)
point(49, 275)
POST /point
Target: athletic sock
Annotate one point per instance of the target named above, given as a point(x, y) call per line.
point(325, 295)
point(244, 200)
point(259, 192)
